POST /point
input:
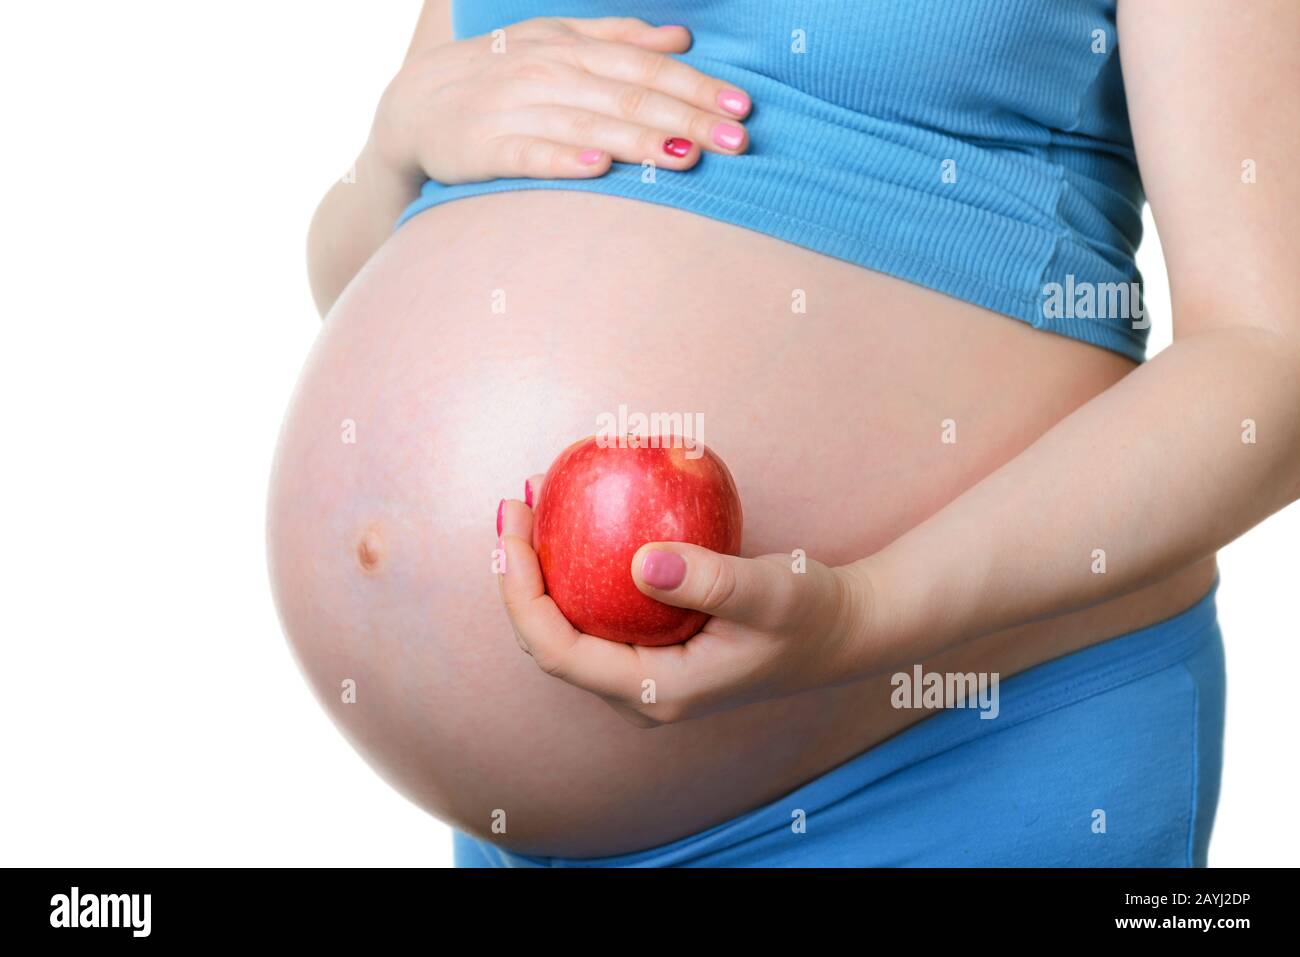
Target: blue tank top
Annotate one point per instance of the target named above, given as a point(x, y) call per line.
point(980, 148)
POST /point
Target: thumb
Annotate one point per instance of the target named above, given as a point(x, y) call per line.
point(762, 592)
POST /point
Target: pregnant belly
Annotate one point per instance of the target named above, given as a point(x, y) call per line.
point(489, 333)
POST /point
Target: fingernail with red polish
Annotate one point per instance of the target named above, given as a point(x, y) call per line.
point(676, 146)
point(727, 136)
point(528, 492)
point(733, 101)
point(501, 511)
point(663, 570)
point(590, 157)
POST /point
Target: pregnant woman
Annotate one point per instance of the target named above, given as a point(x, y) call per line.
point(885, 252)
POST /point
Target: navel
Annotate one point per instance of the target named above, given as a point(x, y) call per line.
point(370, 550)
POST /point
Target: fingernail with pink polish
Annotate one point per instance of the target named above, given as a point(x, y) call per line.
point(528, 492)
point(676, 146)
point(590, 157)
point(733, 101)
point(501, 512)
point(728, 136)
point(663, 570)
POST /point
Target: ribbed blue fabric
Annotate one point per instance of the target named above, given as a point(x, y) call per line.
point(980, 148)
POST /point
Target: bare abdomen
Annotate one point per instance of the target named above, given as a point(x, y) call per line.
point(487, 335)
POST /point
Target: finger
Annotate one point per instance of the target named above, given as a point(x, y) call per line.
point(533, 490)
point(532, 613)
point(643, 107)
point(625, 142)
point(518, 155)
point(665, 39)
point(763, 592)
point(522, 588)
point(517, 520)
point(662, 73)
point(610, 669)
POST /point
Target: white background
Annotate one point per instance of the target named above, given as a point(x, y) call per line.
point(161, 163)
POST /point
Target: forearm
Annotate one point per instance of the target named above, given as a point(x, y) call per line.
point(352, 221)
point(1147, 478)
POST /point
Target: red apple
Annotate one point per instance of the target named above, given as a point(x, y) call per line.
point(601, 501)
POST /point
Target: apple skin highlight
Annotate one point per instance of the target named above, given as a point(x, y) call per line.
point(601, 501)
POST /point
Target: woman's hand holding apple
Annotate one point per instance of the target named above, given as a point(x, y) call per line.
point(779, 625)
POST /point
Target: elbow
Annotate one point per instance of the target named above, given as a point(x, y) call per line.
point(322, 268)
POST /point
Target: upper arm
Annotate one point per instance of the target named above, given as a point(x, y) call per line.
point(433, 28)
point(1212, 92)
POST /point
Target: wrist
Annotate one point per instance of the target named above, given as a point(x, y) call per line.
point(893, 618)
point(392, 169)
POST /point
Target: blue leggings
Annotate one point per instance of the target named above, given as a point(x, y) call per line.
point(1107, 757)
